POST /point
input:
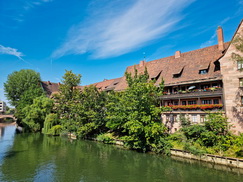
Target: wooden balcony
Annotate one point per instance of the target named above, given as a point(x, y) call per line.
point(193, 94)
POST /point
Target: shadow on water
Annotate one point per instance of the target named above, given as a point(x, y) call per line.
point(34, 157)
point(9, 154)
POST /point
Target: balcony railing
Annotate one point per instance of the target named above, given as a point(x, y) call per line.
point(197, 107)
point(214, 91)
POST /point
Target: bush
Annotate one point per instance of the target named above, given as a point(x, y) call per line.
point(105, 138)
point(55, 130)
point(193, 132)
point(50, 121)
point(194, 149)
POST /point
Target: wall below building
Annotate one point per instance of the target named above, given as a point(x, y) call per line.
point(227, 161)
point(233, 93)
point(172, 120)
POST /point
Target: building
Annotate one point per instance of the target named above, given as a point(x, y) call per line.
point(2, 107)
point(197, 81)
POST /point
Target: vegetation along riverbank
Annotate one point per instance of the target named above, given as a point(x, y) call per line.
point(132, 116)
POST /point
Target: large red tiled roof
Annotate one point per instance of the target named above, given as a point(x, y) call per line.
point(50, 87)
point(188, 64)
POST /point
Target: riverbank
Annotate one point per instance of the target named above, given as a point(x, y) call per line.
point(208, 158)
point(59, 159)
point(227, 161)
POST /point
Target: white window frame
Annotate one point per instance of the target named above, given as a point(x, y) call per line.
point(194, 118)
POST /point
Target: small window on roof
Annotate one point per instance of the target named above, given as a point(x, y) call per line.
point(204, 71)
point(216, 65)
point(178, 72)
point(155, 75)
point(177, 75)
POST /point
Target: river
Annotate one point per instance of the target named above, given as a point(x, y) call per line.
point(35, 157)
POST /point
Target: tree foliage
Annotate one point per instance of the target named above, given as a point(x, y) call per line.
point(134, 114)
point(35, 114)
point(22, 87)
point(237, 56)
point(66, 101)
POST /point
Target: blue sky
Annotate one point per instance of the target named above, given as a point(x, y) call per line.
point(100, 38)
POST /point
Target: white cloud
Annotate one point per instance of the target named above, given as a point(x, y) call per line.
point(212, 39)
point(117, 33)
point(210, 42)
point(14, 52)
point(11, 51)
point(26, 6)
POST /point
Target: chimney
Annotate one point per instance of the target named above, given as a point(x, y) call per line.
point(177, 54)
point(49, 83)
point(142, 63)
point(220, 38)
point(58, 83)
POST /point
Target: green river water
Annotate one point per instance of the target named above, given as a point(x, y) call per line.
point(35, 157)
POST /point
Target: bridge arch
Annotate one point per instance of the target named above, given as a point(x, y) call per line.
point(8, 116)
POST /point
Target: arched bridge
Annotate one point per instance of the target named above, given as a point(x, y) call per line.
point(7, 116)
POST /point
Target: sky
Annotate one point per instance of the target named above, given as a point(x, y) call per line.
point(100, 38)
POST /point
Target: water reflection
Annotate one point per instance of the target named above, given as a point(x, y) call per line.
point(2, 131)
point(34, 157)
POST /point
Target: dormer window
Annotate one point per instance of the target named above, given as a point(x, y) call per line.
point(204, 71)
point(178, 73)
point(203, 68)
point(216, 65)
point(155, 75)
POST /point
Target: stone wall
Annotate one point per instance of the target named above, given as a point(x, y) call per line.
point(232, 90)
point(228, 161)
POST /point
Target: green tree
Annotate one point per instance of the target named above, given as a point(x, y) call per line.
point(35, 114)
point(134, 114)
point(22, 87)
point(91, 112)
point(67, 100)
point(238, 43)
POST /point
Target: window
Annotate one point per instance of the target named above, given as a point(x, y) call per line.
point(239, 65)
point(177, 75)
point(175, 129)
point(206, 101)
point(194, 118)
point(202, 118)
point(215, 101)
point(191, 102)
point(241, 82)
point(183, 102)
point(242, 100)
point(167, 118)
point(217, 65)
point(202, 72)
point(175, 118)
point(176, 103)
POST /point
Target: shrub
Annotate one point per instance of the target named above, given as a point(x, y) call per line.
point(105, 138)
point(55, 130)
point(50, 121)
